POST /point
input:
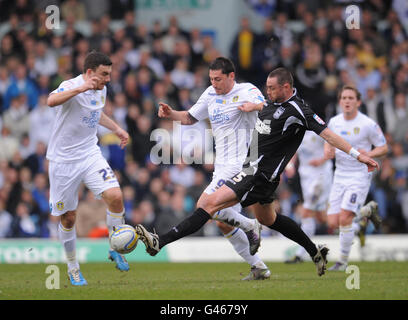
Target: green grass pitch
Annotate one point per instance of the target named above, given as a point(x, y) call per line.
point(205, 281)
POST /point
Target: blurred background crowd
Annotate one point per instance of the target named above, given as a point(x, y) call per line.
point(165, 62)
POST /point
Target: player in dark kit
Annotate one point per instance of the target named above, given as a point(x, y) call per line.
point(279, 130)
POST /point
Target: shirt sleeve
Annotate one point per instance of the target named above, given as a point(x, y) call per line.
point(313, 121)
point(255, 95)
point(376, 136)
point(200, 109)
point(64, 86)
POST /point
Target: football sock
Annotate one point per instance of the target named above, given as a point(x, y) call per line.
point(68, 240)
point(235, 219)
point(114, 219)
point(239, 241)
point(186, 227)
point(292, 231)
point(308, 225)
point(346, 236)
point(356, 227)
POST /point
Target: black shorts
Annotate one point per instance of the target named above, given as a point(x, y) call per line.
point(251, 188)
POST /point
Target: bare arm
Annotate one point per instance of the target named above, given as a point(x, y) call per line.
point(339, 143)
point(59, 98)
point(250, 106)
point(108, 123)
point(377, 152)
point(165, 111)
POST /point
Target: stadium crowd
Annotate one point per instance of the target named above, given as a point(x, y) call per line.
point(164, 62)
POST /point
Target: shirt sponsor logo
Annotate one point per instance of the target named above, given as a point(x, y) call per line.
point(92, 120)
point(220, 101)
point(219, 117)
point(263, 127)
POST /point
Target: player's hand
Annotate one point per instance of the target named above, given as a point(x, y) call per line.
point(317, 162)
point(329, 152)
point(248, 107)
point(371, 164)
point(90, 84)
point(164, 110)
point(123, 136)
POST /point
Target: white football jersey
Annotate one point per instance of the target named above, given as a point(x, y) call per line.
point(74, 136)
point(362, 133)
point(231, 127)
point(311, 148)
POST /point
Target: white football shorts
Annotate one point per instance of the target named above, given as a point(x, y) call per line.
point(316, 191)
point(348, 194)
point(66, 178)
point(220, 176)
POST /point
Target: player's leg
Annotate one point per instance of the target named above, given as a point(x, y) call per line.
point(346, 235)
point(239, 241)
point(65, 179)
point(266, 215)
point(207, 206)
point(67, 236)
point(367, 213)
point(100, 179)
point(308, 225)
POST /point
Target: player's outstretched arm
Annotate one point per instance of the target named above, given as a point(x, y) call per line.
point(165, 111)
point(108, 123)
point(250, 106)
point(59, 98)
point(339, 143)
point(377, 152)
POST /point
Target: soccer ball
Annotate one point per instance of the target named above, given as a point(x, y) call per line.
point(123, 239)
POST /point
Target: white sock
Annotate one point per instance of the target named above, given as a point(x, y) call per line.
point(308, 225)
point(239, 241)
point(235, 219)
point(68, 240)
point(346, 240)
point(114, 219)
point(356, 227)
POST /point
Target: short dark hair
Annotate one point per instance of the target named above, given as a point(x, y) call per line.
point(352, 88)
point(283, 76)
point(94, 59)
point(224, 64)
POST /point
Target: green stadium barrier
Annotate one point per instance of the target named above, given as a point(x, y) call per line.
point(50, 251)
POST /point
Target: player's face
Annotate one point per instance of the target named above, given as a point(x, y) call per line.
point(275, 91)
point(103, 73)
point(349, 102)
point(222, 83)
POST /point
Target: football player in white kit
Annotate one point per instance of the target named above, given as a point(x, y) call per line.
point(232, 129)
point(351, 181)
point(316, 175)
point(74, 156)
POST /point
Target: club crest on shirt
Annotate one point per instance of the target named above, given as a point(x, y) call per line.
point(235, 99)
point(356, 130)
point(278, 112)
